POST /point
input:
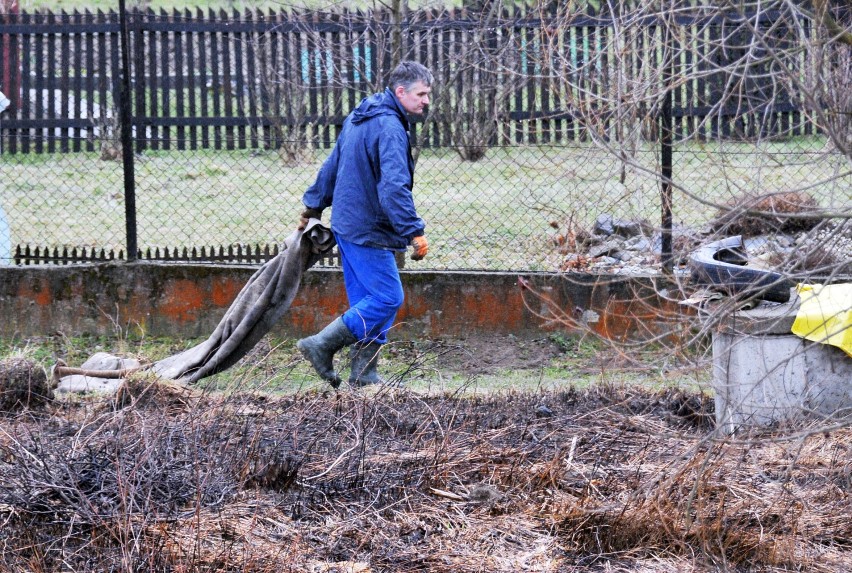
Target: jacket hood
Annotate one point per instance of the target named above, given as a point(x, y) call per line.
point(383, 103)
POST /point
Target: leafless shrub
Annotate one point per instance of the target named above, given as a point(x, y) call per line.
point(283, 91)
point(786, 212)
point(476, 82)
point(107, 134)
point(23, 384)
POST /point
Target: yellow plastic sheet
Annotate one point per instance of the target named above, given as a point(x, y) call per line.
point(825, 315)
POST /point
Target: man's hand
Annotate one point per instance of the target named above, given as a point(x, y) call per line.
point(306, 215)
point(421, 247)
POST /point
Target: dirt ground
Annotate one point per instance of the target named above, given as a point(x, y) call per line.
point(483, 355)
point(162, 478)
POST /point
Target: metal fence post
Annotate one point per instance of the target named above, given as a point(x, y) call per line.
point(126, 137)
point(666, 256)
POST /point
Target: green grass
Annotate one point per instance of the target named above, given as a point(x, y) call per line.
point(494, 214)
point(429, 367)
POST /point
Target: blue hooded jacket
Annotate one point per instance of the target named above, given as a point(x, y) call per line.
point(368, 177)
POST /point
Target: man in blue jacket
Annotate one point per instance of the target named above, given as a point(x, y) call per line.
point(367, 181)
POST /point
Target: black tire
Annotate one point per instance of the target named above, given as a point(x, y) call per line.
point(721, 265)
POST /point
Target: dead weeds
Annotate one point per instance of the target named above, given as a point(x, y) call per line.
point(23, 384)
point(604, 479)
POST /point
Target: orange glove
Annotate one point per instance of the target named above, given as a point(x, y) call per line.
point(306, 215)
point(421, 247)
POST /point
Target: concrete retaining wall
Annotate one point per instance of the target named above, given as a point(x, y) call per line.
point(189, 300)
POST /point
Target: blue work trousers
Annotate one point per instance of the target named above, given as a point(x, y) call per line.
point(373, 289)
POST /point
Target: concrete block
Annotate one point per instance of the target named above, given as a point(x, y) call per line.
point(78, 383)
point(765, 379)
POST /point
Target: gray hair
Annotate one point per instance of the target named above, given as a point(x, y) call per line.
point(407, 73)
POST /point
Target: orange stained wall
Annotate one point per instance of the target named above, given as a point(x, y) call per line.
point(189, 300)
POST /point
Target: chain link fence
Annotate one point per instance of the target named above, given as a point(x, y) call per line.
point(545, 150)
point(526, 208)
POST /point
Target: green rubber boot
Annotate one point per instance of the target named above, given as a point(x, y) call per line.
point(365, 360)
point(320, 348)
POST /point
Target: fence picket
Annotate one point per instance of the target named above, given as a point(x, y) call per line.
point(595, 76)
point(310, 60)
point(435, 43)
point(76, 63)
point(250, 90)
point(338, 74)
point(26, 78)
point(38, 84)
point(91, 79)
point(531, 103)
point(203, 50)
point(180, 81)
point(228, 84)
point(239, 90)
point(188, 75)
point(54, 48)
point(214, 85)
point(135, 25)
point(152, 79)
point(277, 57)
point(165, 72)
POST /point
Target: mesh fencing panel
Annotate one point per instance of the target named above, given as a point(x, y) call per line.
point(517, 208)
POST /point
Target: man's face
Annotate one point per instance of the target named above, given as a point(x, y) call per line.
point(414, 100)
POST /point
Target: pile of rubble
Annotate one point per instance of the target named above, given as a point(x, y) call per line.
point(634, 247)
point(620, 246)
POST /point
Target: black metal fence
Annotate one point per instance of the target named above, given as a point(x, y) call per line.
point(245, 80)
point(541, 123)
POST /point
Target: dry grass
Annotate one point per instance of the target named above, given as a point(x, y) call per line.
point(789, 212)
point(607, 479)
point(23, 383)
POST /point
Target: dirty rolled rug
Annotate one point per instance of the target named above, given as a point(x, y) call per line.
point(258, 307)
